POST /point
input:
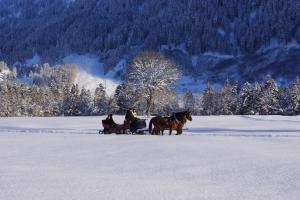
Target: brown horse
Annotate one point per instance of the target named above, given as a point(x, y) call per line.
point(176, 122)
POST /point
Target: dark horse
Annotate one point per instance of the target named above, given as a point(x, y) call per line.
point(176, 122)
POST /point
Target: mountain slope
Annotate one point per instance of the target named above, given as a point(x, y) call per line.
point(192, 32)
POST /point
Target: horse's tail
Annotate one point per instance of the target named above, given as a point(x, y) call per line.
point(150, 126)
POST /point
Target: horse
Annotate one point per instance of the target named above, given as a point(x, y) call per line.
point(176, 122)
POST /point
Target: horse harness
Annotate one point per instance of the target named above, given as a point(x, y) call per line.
point(177, 121)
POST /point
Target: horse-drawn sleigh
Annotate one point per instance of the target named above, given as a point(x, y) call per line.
point(128, 127)
point(157, 125)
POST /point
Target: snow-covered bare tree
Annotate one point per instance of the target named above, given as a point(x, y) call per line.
point(166, 103)
point(151, 73)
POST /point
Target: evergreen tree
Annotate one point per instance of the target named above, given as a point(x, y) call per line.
point(74, 100)
point(209, 101)
point(285, 101)
point(258, 103)
point(112, 106)
point(189, 101)
point(247, 100)
point(295, 95)
point(66, 100)
point(100, 101)
point(4, 99)
point(85, 106)
point(230, 101)
point(270, 97)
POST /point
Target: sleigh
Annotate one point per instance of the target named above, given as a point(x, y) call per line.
point(109, 127)
point(136, 127)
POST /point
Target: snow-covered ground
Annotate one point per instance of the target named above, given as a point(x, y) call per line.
point(218, 157)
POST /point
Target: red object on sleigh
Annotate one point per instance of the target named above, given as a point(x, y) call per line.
point(111, 127)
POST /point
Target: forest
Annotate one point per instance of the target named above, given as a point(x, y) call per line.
point(52, 93)
point(120, 28)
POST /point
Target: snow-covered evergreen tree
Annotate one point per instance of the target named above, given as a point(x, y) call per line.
point(209, 101)
point(295, 95)
point(285, 101)
point(4, 98)
point(85, 105)
point(189, 101)
point(230, 99)
point(247, 99)
point(127, 97)
point(270, 97)
point(258, 102)
point(112, 105)
point(100, 101)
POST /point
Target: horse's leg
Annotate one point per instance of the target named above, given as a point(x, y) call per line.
point(179, 129)
point(170, 131)
point(154, 131)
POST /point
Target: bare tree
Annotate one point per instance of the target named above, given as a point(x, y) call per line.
point(151, 73)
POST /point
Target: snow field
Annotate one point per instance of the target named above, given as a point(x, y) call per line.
point(218, 157)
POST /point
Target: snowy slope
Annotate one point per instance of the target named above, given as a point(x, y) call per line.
point(35, 166)
point(90, 72)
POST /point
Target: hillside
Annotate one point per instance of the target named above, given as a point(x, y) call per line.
point(212, 39)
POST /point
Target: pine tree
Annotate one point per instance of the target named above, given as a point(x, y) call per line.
point(189, 101)
point(270, 97)
point(85, 106)
point(112, 106)
point(209, 101)
point(247, 99)
point(257, 99)
point(74, 100)
point(230, 101)
point(100, 101)
point(4, 99)
point(17, 103)
point(295, 95)
point(285, 101)
point(66, 97)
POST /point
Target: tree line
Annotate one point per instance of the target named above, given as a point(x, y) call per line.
point(149, 87)
point(267, 98)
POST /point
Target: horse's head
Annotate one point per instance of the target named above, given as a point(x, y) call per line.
point(188, 115)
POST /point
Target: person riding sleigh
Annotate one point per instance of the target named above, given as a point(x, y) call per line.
point(131, 116)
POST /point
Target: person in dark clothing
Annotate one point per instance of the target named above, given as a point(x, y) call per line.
point(110, 120)
point(131, 115)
